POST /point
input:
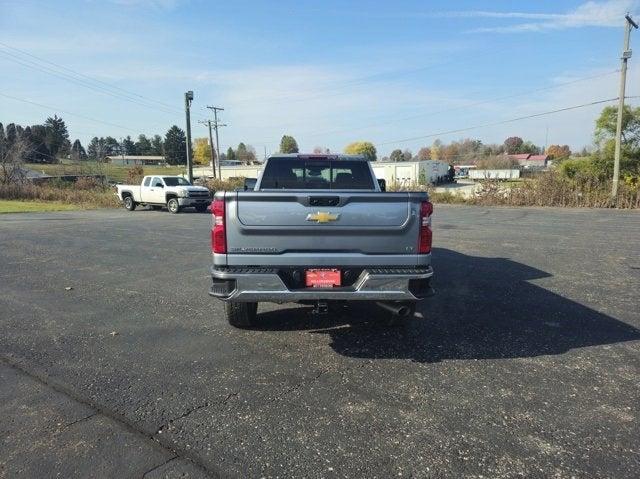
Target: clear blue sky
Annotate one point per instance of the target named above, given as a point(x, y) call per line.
point(327, 72)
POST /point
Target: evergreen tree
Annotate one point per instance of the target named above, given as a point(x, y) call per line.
point(77, 151)
point(3, 141)
point(11, 134)
point(288, 144)
point(396, 155)
point(143, 146)
point(111, 145)
point(156, 145)
point(231, 155)
point(98, 149)
point(128, 147)
point(175, 146)
point(57, 140)
point(241, 152)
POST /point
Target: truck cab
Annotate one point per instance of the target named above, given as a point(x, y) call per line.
point(174, 192)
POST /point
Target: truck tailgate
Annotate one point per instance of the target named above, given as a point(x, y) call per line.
point(367, 223)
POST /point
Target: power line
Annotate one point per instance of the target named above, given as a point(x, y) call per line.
point(361, 80)
point(470, 105)
point(64, 76)
point(502, 122)
point(55, 109)
point(112, 87)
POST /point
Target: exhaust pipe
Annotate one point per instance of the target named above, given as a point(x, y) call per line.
point(395, 309)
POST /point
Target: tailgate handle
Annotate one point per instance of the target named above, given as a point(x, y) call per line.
point(324, 200)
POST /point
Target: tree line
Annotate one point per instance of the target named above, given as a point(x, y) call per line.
point(38, 143)
point(47, 142)
point(463, 151)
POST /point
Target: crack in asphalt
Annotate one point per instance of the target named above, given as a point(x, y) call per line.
point(184, 415)
point(299, 385)
point(70, 392)
point(95, 413)
point(159, 466)
point(194, 409)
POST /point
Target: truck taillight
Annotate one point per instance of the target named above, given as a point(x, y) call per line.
point(218, 231)
point(424, 240)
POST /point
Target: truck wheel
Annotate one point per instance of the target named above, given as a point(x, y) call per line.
point(240, 315)
point(129, 204)
point(173, 206)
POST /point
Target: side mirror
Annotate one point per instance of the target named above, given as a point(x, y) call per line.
point(382, 183)
point(250, 183)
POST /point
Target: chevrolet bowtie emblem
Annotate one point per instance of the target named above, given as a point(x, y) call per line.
point(322, 217)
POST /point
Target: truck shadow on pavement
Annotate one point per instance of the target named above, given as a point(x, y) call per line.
point(484, 308)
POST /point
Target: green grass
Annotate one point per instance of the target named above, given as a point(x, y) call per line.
point(21, 206)
point(113, 172)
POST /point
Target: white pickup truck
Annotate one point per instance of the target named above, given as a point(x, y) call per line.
point(174, 192)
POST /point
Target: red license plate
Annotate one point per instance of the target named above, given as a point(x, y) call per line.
point(322, 278)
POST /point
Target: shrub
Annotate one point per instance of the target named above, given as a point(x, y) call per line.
point(135, 175)
point(87, 183)
point(95, 198)
point(224, 185)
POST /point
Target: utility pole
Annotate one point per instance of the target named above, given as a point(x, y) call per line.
point(213, 152)
point(188, 98)
point(626, 54)
point(215, 126)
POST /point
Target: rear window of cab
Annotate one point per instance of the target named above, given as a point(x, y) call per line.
point(317, 175)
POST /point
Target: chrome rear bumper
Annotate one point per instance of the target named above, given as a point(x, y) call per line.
point(374, 284)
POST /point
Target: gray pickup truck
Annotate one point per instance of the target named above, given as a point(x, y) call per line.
point(317, 229)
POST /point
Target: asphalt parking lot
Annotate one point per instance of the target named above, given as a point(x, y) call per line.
point(526, 362)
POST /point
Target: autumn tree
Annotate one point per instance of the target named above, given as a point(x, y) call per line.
point(558, 152)
point(436, 148)
point(365, 148)
point(201, 151)
point(424, 154)
point(512, 145)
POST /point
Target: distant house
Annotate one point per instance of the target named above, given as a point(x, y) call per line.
point(137, 160)
point(527, 160)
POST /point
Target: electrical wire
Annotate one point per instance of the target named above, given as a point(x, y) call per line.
point(502, 122)
point(104, 91)
point(108, 85)
point(67, 112)
point(469, 105)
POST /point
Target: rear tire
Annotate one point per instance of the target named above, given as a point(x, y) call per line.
point(129, 204)
point(240, 315)
point(173, 206)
